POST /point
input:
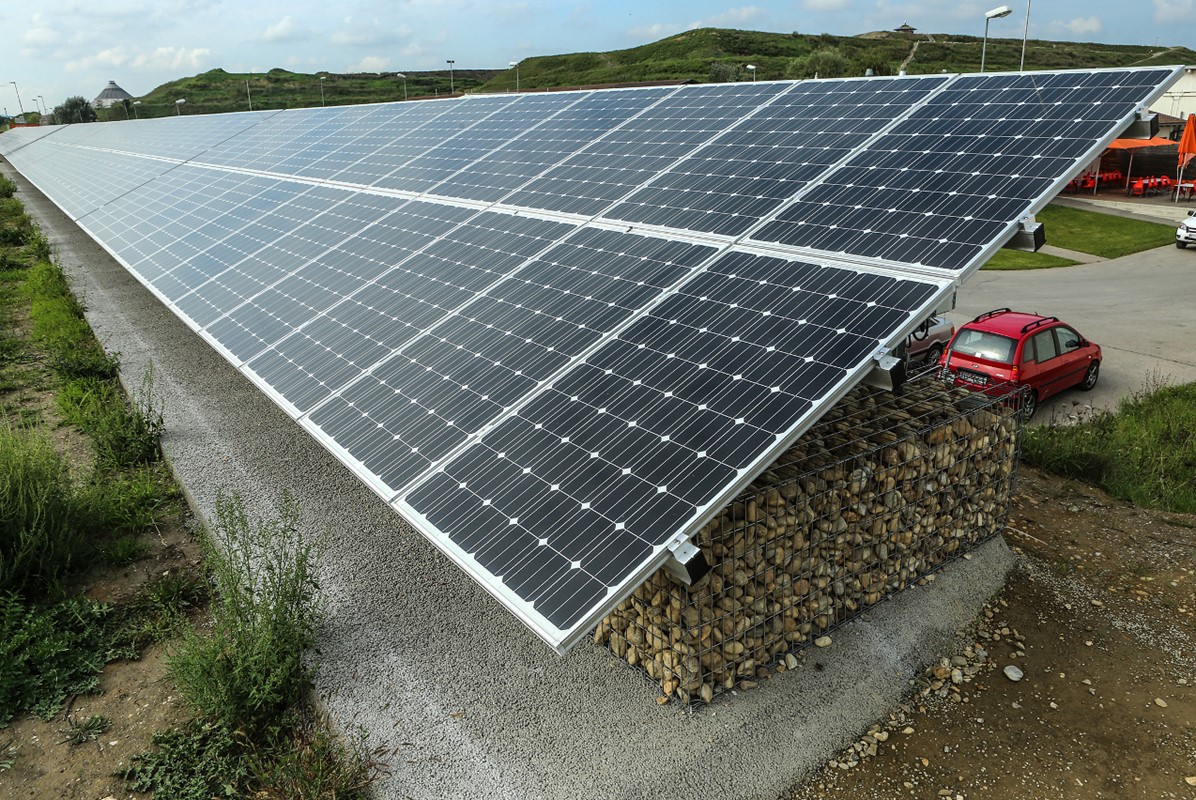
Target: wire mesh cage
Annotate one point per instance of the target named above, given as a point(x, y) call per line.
point(880, 492)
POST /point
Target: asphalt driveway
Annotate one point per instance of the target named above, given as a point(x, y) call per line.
point(1141, 310)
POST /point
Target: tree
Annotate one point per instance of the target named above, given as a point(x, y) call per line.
point(74, 109)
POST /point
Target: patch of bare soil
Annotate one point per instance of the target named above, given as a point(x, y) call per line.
point(1100, 621)
point(136, 696)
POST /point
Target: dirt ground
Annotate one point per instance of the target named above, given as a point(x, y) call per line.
point(1100, 618)
point(136, 696)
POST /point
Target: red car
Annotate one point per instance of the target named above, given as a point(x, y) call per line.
point(1040, 354)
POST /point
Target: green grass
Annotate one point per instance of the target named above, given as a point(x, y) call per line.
point(1144, 453)
point(1104, 235)
point(45, 519)
point(1018, 259)
point(88, 730)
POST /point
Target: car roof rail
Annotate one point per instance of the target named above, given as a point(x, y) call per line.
point(1029, 326)
point(992, 313)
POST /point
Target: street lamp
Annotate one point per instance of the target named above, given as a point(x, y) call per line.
point(515, 64)
point(450, 62)
point(1021, 67)
point(247, 94)
point(135, 114)
point(322, 79)
point(752, 69)
point(989, 16)
point(18, 91)
point(178, 105)
point(403, 75)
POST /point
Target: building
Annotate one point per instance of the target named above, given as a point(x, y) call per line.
point(905, 27)
point(111, 95)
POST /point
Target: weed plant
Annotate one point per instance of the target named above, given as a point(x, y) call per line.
point(86, 731)
point(1144, 453)
point(7, 187)
point(199, 762)
point(48, 654)
point(250, 669)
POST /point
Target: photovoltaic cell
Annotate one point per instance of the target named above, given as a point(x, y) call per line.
point(557, 403)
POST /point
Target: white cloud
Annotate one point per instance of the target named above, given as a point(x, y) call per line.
point(285, 30)
point(370, 33)
point(825, 5)
point(1173, 10)
point(653, 32)
point(172, 58)
point(1081, 26)
point(730, 18)
point(39, 34)
point(370, 64)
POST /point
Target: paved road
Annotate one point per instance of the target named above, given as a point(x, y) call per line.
point(1140, 309)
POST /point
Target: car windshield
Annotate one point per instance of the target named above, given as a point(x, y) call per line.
point(982, 344)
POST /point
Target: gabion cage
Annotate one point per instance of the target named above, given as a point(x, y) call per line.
point(879, 493)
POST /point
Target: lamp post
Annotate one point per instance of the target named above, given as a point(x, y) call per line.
point(178, 106)
point(403, 75)
point(989, 16)
point(18, 91)
point(322, 79)
point(136, 115)
point(1025, 33)
point(247, 94)
point(752, 69)
point(515, 64)
point(44, 106)
point(450, 62)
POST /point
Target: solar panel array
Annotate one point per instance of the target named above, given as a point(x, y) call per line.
point(558, 331)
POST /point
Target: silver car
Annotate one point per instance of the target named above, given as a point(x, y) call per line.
point(928, 341)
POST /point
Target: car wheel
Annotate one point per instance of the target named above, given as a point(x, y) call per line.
point(1181, 245)
point(1028, 403)
point(933, 354)
point(1090, 377)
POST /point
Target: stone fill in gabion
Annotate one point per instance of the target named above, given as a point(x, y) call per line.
point(883, 490)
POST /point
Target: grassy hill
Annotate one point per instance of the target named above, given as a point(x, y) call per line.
point(707, 54)
point(711, 54)
point(218, 91)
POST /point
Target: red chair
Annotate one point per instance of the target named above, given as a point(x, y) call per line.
point(1138, 189)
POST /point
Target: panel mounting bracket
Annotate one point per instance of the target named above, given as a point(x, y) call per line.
point(888, 371)
point(1145, 125)
point(1029, 237)
point(687, 563)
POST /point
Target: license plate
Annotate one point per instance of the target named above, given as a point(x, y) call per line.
point(977, 378)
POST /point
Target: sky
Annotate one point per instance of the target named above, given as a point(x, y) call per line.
point(54, 49)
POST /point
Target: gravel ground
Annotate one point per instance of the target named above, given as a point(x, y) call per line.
point(420, 658)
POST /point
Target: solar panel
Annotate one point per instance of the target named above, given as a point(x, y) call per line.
point(559, 331)
point(750, 169)
point(945, 183)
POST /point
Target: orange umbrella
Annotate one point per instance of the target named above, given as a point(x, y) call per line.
point(1187, 143)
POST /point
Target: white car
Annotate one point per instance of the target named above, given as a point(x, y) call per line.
point(1185, 234)
point(927, 342)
